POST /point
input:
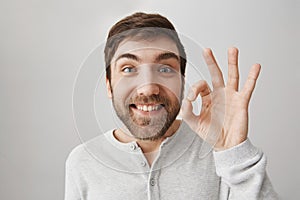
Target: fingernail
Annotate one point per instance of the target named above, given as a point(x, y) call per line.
point(191, 95)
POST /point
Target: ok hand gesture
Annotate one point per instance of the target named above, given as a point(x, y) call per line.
point(223, 120)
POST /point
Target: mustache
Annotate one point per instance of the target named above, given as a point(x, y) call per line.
point(152, 99)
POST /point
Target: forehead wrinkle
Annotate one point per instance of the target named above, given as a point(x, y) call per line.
point(129, 45)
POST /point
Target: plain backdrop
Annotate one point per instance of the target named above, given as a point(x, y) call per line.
point(43, 44)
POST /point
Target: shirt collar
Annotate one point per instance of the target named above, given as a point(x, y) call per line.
point(171, 149)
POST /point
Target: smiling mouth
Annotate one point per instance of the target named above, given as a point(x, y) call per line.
point(147, 107)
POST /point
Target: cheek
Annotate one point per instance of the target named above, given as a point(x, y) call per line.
point(173, 86)
point(126, 87)
point(122, 89)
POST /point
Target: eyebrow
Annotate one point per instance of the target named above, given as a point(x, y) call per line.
point(128, 56)
point(162, 56)
point(166, 55)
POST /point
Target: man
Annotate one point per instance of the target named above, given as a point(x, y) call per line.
point(156, 155)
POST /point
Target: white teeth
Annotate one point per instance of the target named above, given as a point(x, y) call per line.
point(147, 108)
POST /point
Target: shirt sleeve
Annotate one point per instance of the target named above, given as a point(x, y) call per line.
point(242, 170)
point(71, 188)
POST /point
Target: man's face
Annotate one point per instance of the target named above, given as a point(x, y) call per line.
point(146, 86)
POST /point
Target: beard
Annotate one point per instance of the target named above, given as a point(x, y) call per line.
point(148, 126)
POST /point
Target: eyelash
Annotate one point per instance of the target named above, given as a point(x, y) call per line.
point(164, 67)
point(161, 69)
point(129, 68)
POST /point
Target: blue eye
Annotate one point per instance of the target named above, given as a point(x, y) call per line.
point(166, 69)
point(128, 69)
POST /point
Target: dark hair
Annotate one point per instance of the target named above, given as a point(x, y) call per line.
point(141, 25)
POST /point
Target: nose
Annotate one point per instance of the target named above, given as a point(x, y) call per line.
point(148, 89)
point(147, 81)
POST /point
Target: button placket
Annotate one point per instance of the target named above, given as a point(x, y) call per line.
point(143, 163)
point(152, 182)
point(132, 146)
point(153, 185)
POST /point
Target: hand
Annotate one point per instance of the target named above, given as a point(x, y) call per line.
point(223, 120)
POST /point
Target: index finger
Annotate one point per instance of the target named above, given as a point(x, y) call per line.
point(214, 70)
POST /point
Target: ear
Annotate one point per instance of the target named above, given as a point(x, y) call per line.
point(108, 88)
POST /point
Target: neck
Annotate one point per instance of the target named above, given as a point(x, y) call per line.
point(147, 146)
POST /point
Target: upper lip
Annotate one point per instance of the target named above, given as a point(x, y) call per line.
point(147, 104)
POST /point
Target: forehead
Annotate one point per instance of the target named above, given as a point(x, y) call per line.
point(153, 46)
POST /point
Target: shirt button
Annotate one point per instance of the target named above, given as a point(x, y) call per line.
point(143, 163)
point(152, 182)
point(132, 147)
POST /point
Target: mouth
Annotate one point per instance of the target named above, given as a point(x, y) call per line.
point(146, 108)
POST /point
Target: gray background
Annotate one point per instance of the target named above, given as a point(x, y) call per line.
point(43, 43)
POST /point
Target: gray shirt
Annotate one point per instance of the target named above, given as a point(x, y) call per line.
point(185, 168)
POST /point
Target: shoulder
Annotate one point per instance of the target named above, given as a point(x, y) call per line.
point(85, 152)
point(77, 156)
